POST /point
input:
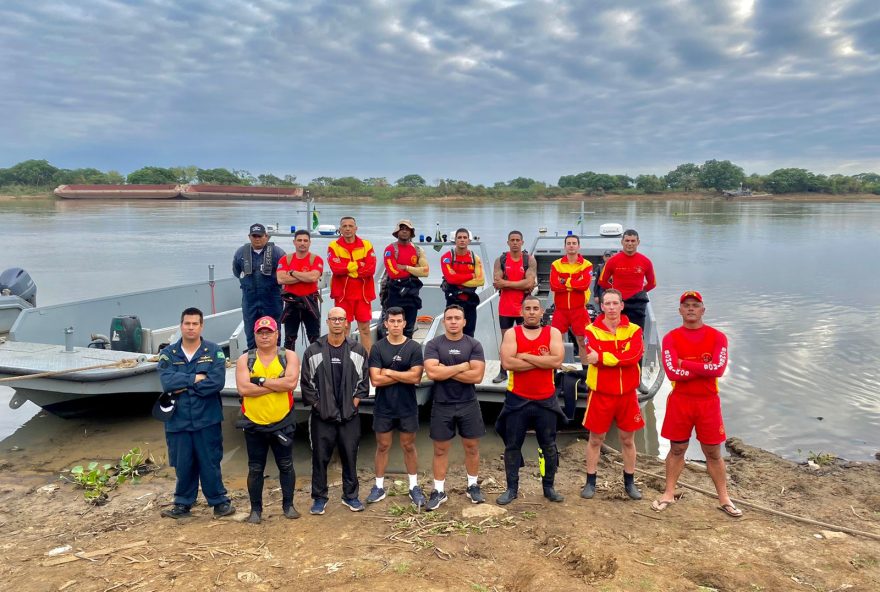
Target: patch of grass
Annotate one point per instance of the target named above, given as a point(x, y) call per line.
point(822, 459)
point(402, 568)
point(529, 515)
point(862, 561)
point(479, 588)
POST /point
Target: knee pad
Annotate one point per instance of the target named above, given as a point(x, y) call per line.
point(286, 465)
point(256, 469)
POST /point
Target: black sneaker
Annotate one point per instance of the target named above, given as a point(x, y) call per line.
point(290, 512)
point(255, 517)
point(437, 499)
point(223, 509)
point(177, 511)
point(502, 377)
point(475, 495)
point(632, 491)
point(588, 491)
point(506, 497)
point(552, 495)
point(418, 497)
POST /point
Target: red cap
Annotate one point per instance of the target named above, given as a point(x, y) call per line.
point(691, 294)
point(265, 323)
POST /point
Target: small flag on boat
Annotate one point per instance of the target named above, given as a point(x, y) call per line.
point(315, 219)
point(438, 239)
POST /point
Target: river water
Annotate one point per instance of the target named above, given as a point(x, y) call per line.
point(792, 284)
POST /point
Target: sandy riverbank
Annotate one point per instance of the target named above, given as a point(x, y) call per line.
point(608, 543)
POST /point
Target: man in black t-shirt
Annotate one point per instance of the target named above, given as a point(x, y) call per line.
point(395, 369)
point(455, 362)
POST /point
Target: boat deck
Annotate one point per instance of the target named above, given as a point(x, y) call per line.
point(81, 364)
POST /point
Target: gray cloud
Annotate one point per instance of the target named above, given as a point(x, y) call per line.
point(483, 90)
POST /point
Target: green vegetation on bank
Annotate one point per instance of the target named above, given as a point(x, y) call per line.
point(38, 176)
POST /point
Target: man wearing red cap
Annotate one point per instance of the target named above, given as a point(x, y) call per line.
point(265, 380)
point(694, 358)
point(353, 263)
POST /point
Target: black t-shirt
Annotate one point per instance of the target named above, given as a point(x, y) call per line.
point(336, 354)
point(398, 399)
point(450, 353)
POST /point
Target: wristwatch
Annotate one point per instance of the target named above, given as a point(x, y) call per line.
point(262, 380)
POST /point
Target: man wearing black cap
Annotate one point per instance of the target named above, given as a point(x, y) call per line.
point(255, 265)
point(405, 263)
point(598, 272)
point(195, 371)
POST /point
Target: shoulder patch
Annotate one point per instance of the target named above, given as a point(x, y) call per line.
point(220, 355)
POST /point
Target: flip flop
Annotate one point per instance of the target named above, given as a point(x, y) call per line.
point(731, 510)
point(659, 506)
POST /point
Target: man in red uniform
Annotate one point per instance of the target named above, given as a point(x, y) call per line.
point(405, 263)
point(694, 358)
point(515, 275)
point(633, 274)
point(298, 274)
point(570, 278)
point(531, 353)
point(611, 354)
point(462, 275)
point(353, 263)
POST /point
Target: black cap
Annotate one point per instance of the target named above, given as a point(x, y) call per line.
point(164, 406)
point(608, 253)
point(258, 229)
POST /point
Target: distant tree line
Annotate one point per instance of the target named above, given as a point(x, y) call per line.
point(714, 175)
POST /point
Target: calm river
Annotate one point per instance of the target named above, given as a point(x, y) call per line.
point(790, 283)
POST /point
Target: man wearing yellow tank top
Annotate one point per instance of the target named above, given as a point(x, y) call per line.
point(266, 389)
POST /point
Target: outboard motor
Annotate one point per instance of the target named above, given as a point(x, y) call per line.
point(126, 333)
point(16, 282)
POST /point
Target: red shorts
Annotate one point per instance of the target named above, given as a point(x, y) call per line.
point(686, 412)
point(576, 318)
point(356, 310)
point(624, 409)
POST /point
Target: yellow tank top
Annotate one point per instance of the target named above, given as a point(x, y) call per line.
point(271, 407)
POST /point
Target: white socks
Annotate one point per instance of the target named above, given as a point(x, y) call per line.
point(380, 482)
point(413, 481)
point(439, 485)
point(472, 480)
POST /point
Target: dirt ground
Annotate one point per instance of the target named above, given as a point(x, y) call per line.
point(608, 543)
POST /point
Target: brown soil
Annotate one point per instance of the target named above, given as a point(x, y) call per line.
point(608, 543)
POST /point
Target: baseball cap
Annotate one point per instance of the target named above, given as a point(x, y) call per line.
point(257, 229)
point(164, 406)
point(608, 253)
point(402, 223)
point(691, 294)
point(265, 323)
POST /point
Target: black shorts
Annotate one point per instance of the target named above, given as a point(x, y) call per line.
point(465, 417)
point(508, 322)
point(408, 424)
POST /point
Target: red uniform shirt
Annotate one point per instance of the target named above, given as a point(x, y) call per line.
point(348, 284)
point(406, 255)
point(694, 359)
point(310, 262)
point(630, 274)
point(536, 383)
point(510, 300)
point(617, 371)
point(570, 282)
point(459, 269)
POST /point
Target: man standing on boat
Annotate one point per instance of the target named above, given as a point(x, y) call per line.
point(462, 275)
point(531, 353)
point(193, 370)
point(405, 263)
point(633, 274)
point(611, 353)
point(334, 379)
point(396, 366)
point(254, 265)
point(265, 379)
point(570, 278)
point(514, 275)
point(298, 274)
point(455, 362)
point(694, 358)
point(353, 263)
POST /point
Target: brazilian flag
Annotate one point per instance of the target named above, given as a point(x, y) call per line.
point(315, 219)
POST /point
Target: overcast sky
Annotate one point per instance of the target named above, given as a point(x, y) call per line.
point(482, 90)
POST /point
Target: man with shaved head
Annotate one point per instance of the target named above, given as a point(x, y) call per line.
point(334, 378)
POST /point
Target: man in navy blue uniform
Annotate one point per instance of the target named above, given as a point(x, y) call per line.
point(254, 265)
point(194, 372)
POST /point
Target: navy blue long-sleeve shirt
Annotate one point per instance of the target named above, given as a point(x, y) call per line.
point(198, 406)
